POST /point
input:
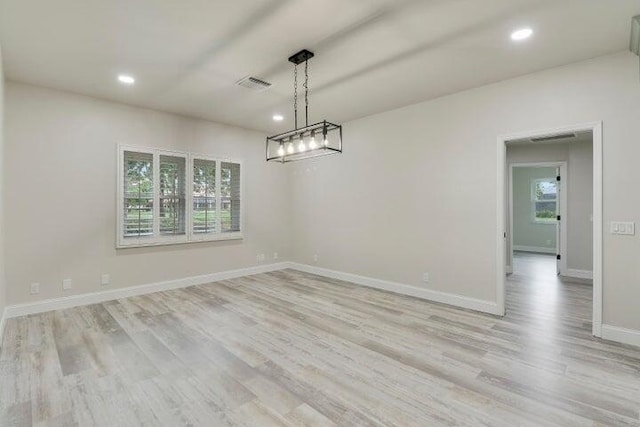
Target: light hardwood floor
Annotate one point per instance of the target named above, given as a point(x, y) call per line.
point(289, 348)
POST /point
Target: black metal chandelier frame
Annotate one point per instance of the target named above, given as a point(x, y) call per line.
point(282, 147)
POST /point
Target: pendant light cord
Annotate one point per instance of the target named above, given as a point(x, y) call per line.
point(295, 95)
point(306, 92)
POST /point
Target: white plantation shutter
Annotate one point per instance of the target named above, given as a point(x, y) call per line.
point(138, 194)
point(172, 195)
point(204, 197)
point(167, 197)
point(230, 197)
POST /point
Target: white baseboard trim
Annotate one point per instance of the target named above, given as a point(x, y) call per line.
point(622, 335)
point(579, 274)
point(98, 297)
point(611, 333)
point(442, 297)
point(535, 249)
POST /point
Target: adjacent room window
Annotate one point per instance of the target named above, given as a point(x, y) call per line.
point(544, 194)
point(170, 197)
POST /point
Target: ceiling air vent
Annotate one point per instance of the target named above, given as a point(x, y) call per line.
point(253, 83)
point(553, 137)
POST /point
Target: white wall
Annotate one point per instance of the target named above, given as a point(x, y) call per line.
point(60, 178)
point(416, 188)
point(579, 158)
point(526, 232)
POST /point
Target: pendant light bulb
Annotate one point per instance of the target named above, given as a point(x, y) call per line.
point(281, 150)
point(312, 143)
point(301, 147)
point(290, 148)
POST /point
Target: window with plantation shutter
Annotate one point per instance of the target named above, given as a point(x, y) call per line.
point(138, 194)
point(167, 197)
point(204, 197)
point(230, 197)
point(172, 195)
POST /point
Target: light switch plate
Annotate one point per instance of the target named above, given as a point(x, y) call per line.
point(622, 228)
point(66, 284)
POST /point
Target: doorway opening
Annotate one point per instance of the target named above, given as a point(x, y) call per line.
point(550, 221)
point(537, 214)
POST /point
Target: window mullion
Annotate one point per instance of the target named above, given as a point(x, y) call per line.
point(218, 198)
point(156, 195)
point(189, 197)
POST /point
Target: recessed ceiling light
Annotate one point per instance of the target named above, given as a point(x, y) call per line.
point(521, 34)
point(125, 79)
point(278, 118)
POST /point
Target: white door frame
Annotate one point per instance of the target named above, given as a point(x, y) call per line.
point(596, 128)
point(561, 246)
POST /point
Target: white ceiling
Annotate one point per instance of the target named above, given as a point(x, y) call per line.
point(371, 55)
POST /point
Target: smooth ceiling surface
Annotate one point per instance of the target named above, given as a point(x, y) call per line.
point(371, 55)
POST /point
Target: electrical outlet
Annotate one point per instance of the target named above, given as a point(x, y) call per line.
point(315, 257)
point(275, 255)
point(66, 284)
point(35, 288)
point(104, 279)
point(425, 277)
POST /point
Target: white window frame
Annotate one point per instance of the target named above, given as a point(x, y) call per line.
point(219, 235)
point(189, 237)
point(534, 200)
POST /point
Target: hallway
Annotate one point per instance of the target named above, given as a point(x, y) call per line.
point(537, 296)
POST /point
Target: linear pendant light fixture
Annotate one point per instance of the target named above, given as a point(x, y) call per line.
point(316, 140)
